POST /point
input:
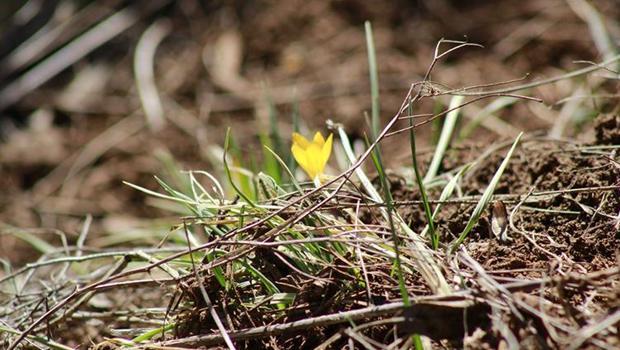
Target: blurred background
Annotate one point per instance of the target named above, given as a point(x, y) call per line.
point(93, 93)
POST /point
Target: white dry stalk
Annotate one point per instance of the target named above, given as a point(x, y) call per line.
point(144, 70)
point(595, 22)
point(423, 256)
point(444, 138)
point(81, 46)
point(606, 48)
point(486, 118)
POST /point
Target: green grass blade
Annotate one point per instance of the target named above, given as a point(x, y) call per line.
point(389, 203)
point(171, 191)
point(255, 273)
point(218, 272)
point(486, 197)
point(229, 174)
point(374, 81)
point(417, 342)
point(286, 169)
point(446, 193)
point(148, 335)
point(274, 130)
point(157, 194)
point(172, 171)
point(242, 174)
point(271, 166)
point(295, 115)
point(418, 177)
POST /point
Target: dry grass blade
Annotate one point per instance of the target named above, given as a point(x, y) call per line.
point(144, 69)
point(68, 55)
point(421, 254)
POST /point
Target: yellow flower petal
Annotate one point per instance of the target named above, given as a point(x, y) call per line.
point(300, 156)
point(318, 139)
point(301, 141)
point(316, 164)
point(312, 156)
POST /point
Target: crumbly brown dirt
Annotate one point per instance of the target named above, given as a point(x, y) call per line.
point(571, 231)
point(580, 226)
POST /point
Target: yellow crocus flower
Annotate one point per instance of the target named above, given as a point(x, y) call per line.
point(312, 156)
